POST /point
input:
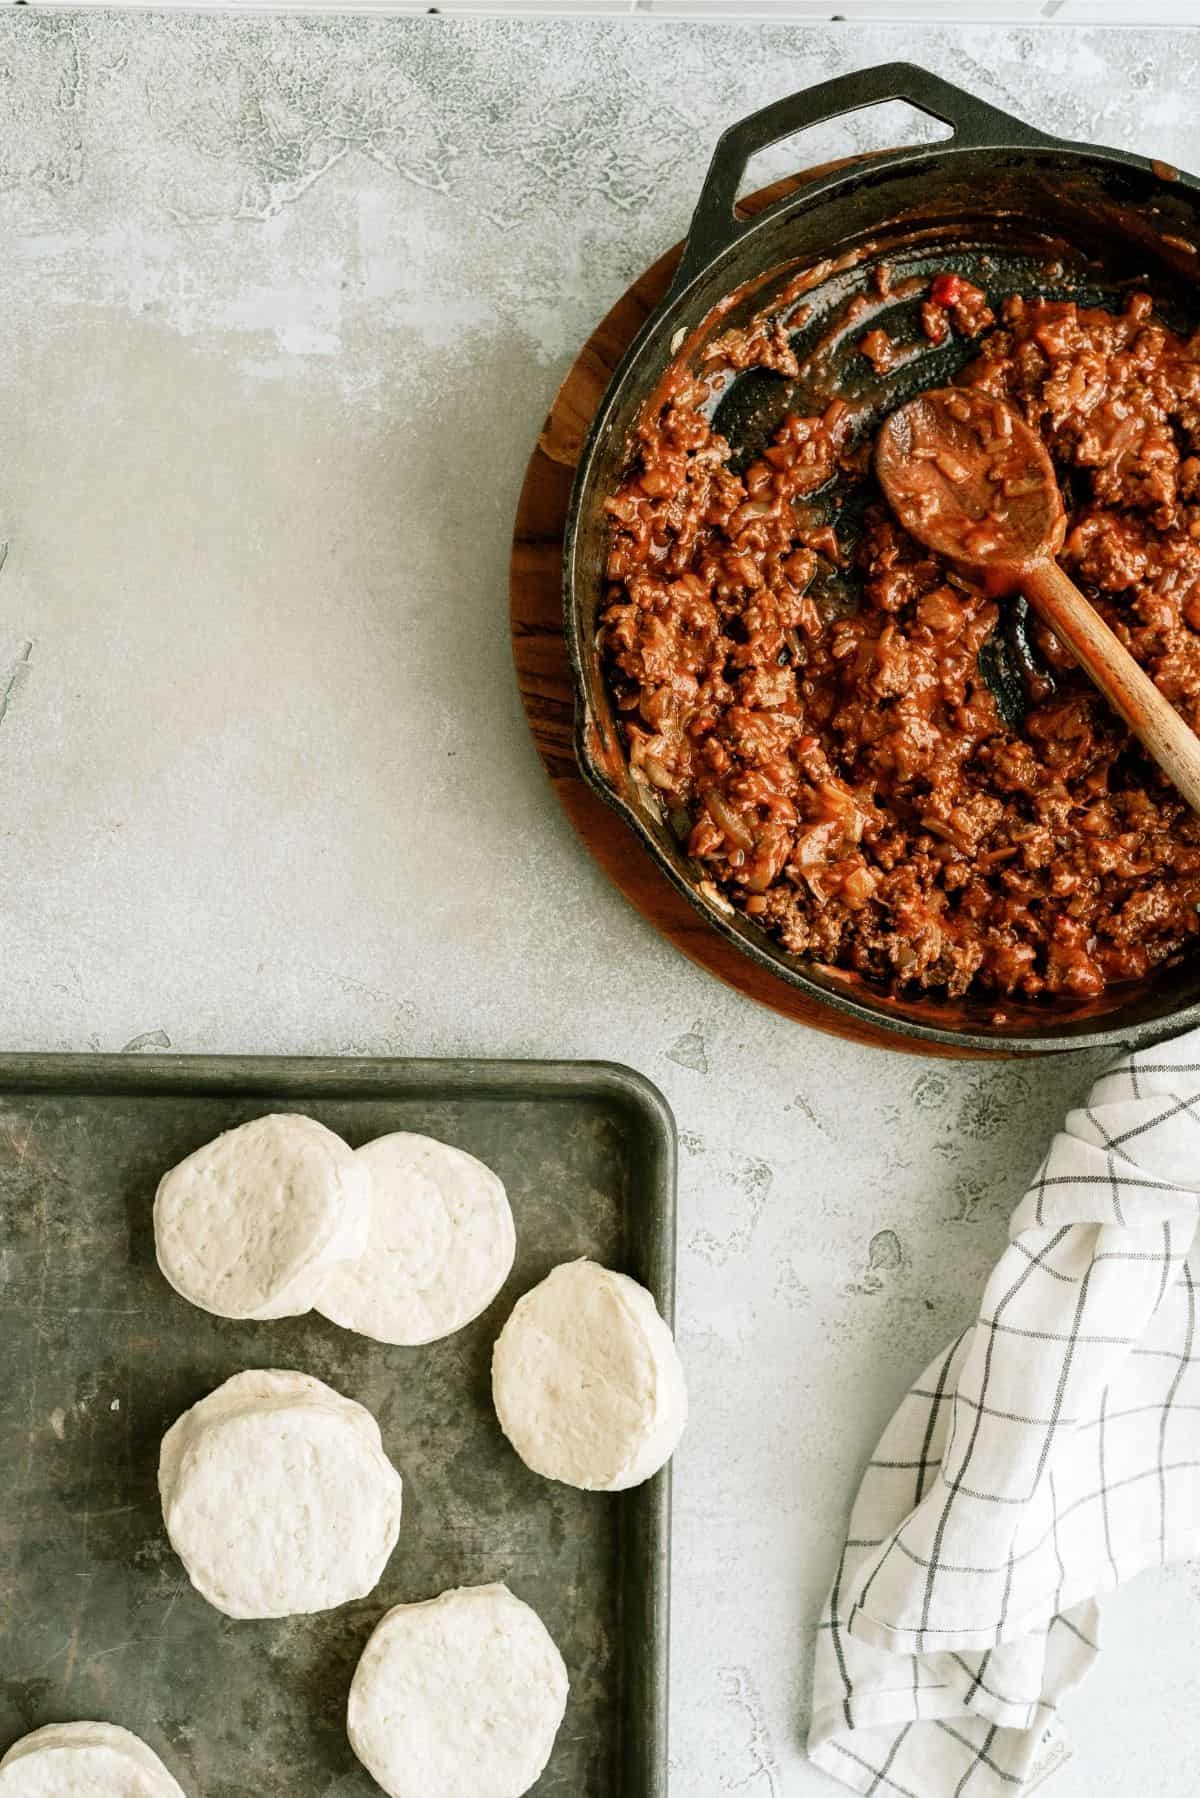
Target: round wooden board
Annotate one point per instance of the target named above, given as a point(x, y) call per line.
point(544, 677)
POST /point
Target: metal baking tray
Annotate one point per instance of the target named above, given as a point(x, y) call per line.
point(98, 1356)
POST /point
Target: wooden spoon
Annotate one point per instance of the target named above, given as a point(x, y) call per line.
point(968, 478)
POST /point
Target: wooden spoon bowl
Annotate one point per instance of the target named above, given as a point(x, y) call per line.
point(971, 481)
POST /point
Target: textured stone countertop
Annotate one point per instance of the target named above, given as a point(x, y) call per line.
point(284, 304)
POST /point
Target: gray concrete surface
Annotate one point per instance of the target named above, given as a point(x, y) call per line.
point(284, 302)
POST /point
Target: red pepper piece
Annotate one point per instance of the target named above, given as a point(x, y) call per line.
point(947, 289)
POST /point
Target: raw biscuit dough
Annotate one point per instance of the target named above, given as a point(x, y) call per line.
point(440, 1246)
point(84, 1760)
point(249, 1225)
point(586, 1380)
point(258, 1389)
point(277, 1496)
point(461, 1697)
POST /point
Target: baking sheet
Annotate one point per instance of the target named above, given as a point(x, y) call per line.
point(98, 1356)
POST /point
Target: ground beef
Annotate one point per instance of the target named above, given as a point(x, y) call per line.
point(847, 779)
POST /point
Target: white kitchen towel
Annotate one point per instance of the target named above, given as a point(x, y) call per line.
point(1050, 1453)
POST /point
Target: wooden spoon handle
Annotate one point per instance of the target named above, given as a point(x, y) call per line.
point(1129, 690)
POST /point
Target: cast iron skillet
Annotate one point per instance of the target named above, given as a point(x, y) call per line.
point(1014, 211)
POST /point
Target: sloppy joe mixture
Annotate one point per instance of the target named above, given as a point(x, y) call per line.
point(845, 774)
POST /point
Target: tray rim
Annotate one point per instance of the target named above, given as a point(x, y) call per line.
point(645, 1511)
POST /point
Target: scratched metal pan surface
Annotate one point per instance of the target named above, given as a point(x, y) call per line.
point(98, 1356)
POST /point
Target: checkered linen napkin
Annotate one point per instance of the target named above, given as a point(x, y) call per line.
point(1050, 1453)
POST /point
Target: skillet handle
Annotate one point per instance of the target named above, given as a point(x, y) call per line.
point(714, 223)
